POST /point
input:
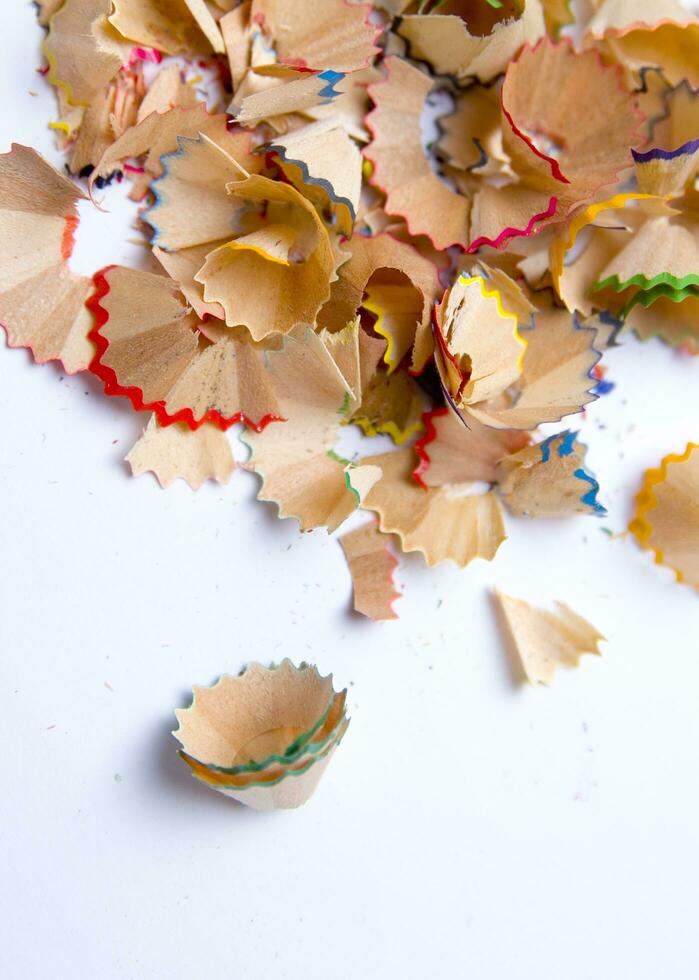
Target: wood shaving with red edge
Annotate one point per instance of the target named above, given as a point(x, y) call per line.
point(426, 221)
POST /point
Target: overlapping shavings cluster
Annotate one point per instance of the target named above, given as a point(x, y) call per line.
point(427, 220)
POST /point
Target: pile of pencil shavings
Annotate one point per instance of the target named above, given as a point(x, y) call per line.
point(316, 262)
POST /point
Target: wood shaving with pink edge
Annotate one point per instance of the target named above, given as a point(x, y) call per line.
point(322, 258)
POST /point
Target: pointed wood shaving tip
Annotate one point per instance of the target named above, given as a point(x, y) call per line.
point(542, 640)
point(159, 133)
point(295, 96)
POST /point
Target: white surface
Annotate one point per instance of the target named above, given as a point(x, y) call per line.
point(467, 827)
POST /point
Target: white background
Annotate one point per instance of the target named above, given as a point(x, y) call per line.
point(467, 827)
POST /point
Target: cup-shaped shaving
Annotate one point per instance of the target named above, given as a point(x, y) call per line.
point(265, 737)
point(256, 716)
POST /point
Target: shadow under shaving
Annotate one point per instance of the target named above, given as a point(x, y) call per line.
point(172, 776)
point(87, 387)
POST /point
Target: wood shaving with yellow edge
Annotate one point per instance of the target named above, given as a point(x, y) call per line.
point(427, 221)
point(666, 521)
